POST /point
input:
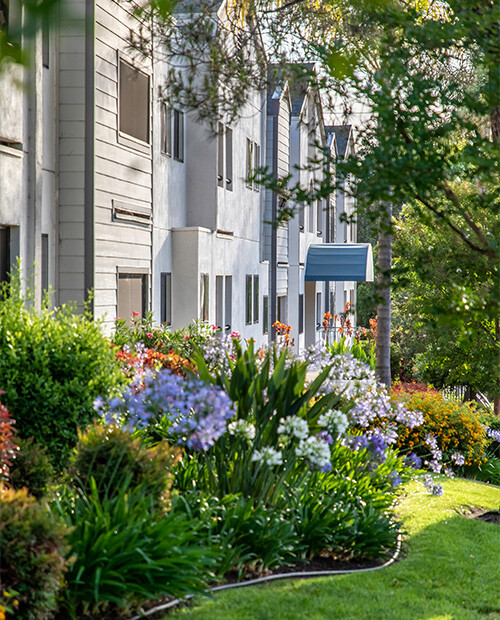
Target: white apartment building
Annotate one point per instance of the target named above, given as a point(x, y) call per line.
point(105, 188)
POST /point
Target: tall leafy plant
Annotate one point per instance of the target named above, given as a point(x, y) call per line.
point(266, 391)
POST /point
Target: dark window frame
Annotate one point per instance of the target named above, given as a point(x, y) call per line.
point(248, 299)
point(255, 294)
point(123, 99)
point(166, 298)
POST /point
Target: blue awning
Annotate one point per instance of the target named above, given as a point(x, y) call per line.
point(332, 262)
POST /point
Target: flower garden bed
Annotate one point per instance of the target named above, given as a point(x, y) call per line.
point(207, 461)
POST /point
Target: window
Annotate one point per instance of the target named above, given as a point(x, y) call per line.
point(256, 299)
point(319, 217)
point(132, 295)
point(228, 302)
point(249, 301)
point(282, 310)
point(166, 129)
point(249, 163)
point(45, 263)
point(172, 132)
point(301, 314)
point(178, 135)
point(9, 250)
point(265, 314)
point(301, 218)
point(229, 158)
point(220, 155)
point(134, 102)
point(256, 163)
point(219, 301)
point(204, 299)
point(224, 157)
point(253, 163)
point(319, 311)
point(166, 298)
point(311, 210)
point(45, 42)
point(5, 262)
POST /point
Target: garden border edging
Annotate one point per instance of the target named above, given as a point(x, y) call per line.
point(260, 580)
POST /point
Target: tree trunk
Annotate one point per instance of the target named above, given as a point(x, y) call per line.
point(383, 348)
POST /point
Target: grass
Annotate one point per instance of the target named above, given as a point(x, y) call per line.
point(450, 571)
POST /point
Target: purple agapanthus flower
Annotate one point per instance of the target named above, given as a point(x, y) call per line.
point(196, 411)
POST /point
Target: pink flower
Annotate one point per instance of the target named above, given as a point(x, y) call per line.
point(235, 335)
point(186, 336)
point(134, 313)
point(149, 335)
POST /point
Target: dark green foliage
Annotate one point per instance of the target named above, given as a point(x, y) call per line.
point(108, 455)
point(322, 515)
point(33, 549)
point(31, 468)
point(126, 552)
point(53, 364)
point(240, 534)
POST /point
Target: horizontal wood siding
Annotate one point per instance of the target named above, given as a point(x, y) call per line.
point(122, 173)
point(283, 167)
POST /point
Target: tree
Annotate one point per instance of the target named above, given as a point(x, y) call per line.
point(439, 303)
point(427, 72)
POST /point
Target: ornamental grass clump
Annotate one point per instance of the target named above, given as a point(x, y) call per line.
point(126, 552)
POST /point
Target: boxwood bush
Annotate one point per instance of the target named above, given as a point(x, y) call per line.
point(107, 455)
point(53, 364)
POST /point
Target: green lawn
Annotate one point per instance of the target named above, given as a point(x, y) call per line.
point(451, 570)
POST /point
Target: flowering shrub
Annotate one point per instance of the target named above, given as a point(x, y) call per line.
point(8, 445)
point(143, 332)
point(451, 432)
point(141, 359)
point(188, 412)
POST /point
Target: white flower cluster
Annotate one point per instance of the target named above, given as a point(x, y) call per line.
point(315, 450)
point(241, 428)
point(294, 426)
point(335, 422)
point(268, 456)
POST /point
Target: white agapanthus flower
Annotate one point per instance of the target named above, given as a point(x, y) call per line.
point(294, 426)
point(334, 421)
point(315, 450)
point(268, 456)
point(241, 428)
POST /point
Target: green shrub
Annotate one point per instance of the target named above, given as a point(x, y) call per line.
point(126, 552)
point(109, 455)
point(31, 468)
point(241, 535)
point(33, 549)
point(53, 364)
